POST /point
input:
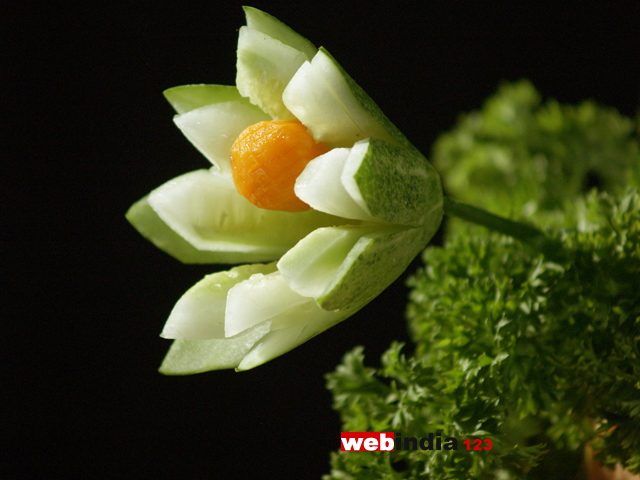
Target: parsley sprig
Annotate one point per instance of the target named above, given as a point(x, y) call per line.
point(536, 351)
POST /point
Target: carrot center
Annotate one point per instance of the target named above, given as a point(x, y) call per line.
point(266, 159)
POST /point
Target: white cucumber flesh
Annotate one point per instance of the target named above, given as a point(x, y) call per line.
point(186, 357)
point(260, 298)
point(153, 228)
point(213, 129)
point(264, 68)
point(333, 107)
point(311, 321)
point(320, 186)
point(185, 98)
point(200, 312)
point(206, 210)
point(311, 266)
point(265, 23)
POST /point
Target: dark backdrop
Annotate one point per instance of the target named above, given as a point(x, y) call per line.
point(86, 132)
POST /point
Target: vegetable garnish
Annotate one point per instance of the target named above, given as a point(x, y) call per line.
point(308, 174)
point(266, 159)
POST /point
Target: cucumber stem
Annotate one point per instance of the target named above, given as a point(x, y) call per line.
point(528, 234)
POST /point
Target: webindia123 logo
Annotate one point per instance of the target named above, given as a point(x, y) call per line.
point(388, 441)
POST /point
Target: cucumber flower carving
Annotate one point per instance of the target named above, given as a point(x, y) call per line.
point(313, 190)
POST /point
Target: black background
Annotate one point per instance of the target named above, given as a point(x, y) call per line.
point(86, 132)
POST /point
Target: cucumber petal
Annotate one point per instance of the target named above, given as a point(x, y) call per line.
point(394, 184)
point(200, 312)
point(264, 68)
point(260, 298)
point(346, 267)
point(333, 107)
point(185, 98)
point(147, 222)
point(373, 181)
point(330, 265)
point(319, 186)
point(206, 210)
point(213, 129)
point(311, 266)
point(312, 320)
point(265, 23)
point(373, 264)
point(186, 357)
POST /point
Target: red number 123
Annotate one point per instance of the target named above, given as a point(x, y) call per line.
point(477, 444)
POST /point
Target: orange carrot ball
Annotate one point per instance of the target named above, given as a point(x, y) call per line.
point(266, 159)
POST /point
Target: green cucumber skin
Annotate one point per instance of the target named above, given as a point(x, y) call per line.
point(369, 105)
point(373, 264)
point(310, 267)
point(399, 186)
point(334, 108)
